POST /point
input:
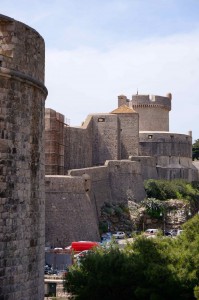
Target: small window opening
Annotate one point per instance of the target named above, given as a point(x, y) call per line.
point(101, 119)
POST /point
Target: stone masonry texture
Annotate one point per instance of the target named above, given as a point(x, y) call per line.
point(22, 207)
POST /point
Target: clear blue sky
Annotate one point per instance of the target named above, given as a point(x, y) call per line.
point(99, 49)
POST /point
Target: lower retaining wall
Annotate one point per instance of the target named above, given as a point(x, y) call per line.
point(126, 181)
point(70, 213)
point(73, 202)
point(99, 185)
point(147, 165)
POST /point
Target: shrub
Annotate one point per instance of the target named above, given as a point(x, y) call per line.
point(173, 189)
point(118, 211)
point(154, 207)
point(103, 227)
point(160, 268)
point(109, 210)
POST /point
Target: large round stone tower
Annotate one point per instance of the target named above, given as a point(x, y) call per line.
point(22, 99)
point(153, 111)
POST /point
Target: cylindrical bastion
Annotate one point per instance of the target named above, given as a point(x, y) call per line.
point(153, 110)
point(22, 100)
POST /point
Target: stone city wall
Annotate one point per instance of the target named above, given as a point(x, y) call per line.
point(105, 139)
point(129, 134)
point(102, 137)
point(22, 196)
point(78, 146)
point(196, 170)
point(126, 182)
point(99, 186)
point(70, 213)
point(148, 166)
point(166, 144)
point(172, 151)
point(73, 202)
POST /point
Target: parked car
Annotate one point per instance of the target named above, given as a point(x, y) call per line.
point(83, 245)
point(106, 237)
point(57, 249)
point(119, 235)
point(151, 232)
point(179, 231)
point(174, 232)
point(167, 233)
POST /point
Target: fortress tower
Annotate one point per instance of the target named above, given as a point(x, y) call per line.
point(22, 99)
point(128, 132)
point(153, 110)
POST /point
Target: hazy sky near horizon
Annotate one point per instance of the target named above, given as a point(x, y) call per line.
point(99, 49)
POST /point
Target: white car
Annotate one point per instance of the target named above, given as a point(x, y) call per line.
point(119, 235)
point(179, 231)
point(151, 232)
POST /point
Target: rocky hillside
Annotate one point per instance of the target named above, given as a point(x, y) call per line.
point(118, 217)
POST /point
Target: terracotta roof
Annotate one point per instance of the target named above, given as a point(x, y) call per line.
point(123, 109)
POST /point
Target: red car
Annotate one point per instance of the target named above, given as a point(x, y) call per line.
point(83, 245)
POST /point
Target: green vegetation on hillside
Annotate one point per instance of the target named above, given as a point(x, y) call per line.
point(173, 189)
point(195, 150)
point(150, 269)
point(154, 207)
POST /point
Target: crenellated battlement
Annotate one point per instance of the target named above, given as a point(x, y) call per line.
point(22, 50)
point(151, 101)
point(146, 101)
point(153, 110)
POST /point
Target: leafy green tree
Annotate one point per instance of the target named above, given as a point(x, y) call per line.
point(171, 189)
point(153, 206)
point(195, 150)
point(196, 143)
point(149, 269)
point(160, 189)
point(106, 274)
point(156, 279)
point(140, 271)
